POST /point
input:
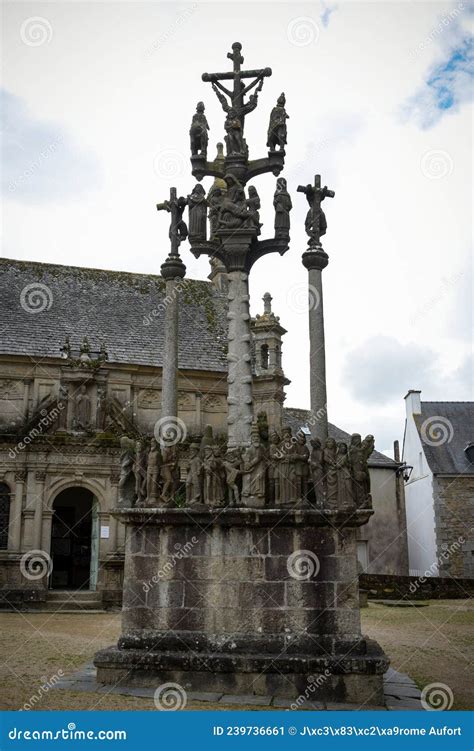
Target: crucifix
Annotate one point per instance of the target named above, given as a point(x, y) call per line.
point(178, 229)
point(239, 89)
point(315, 223)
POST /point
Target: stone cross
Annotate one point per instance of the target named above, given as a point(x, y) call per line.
point(178, 230)
point(236, 75)
point(315, 221)
point(172, 270)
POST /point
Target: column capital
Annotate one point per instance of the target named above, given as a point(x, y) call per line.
point(20, 476)
point(173, 268)
point(40, 476)
point(315, 259)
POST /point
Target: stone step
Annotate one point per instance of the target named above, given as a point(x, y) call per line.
point(71, 605)
point(80, 594)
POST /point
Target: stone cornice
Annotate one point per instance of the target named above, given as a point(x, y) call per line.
point(244, 517)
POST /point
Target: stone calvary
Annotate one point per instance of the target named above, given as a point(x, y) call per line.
point(241, 575)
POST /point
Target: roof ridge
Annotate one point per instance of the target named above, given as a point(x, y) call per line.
point(45, 265)
point(458, 401)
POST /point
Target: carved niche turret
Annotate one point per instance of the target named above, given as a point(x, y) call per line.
point(269, 379)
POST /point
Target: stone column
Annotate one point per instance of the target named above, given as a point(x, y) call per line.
point(47, 524)
point(114, 480)
point(16, 513)
point(239, 396)
point(315, 261)
point(172, 270)
point(40, 478)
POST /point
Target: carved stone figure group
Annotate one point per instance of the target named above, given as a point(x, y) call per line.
point(230, 208)
point(339, 472)
point(149, 475)
point(274, 471)
point(281, 471)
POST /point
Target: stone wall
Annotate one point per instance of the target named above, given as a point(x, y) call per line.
point(454, 515)
point(385, 534)
point(382, 587)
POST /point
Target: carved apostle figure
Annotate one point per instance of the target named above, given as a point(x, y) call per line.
point(282, 205)
point(330, 466)
point(316, 465)
point(140, 472)
point(277, 130)
point(301, 458)
point(197, 205)
point(214, 202)
point(126, 485)
point(232, 464)
point(194, 476)
point(101, 408)
point(359, 453)
point(254, 471)
point(345, 496)
point(153, 473)
point(198, 131)
point(214, 490)
point(368, 444)
point(82, 410)
point(274, 457)
point(253, 206)
point(169, 473)
point(234, 139)
point(288, 485)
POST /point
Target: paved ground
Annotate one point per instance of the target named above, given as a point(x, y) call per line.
point(400, 693)
point(38, 651)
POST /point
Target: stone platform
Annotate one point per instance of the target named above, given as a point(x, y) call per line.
point(244, 601)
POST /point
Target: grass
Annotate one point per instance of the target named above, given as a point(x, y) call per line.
point(431, 644)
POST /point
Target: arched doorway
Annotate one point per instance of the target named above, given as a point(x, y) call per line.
point(74, 540)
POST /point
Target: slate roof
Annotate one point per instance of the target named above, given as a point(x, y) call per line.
point(126, 310)
point(298, 418)
point(445, 429)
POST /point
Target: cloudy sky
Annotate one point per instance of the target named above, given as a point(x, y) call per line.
point(97, 100)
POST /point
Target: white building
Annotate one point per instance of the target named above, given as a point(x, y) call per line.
point(439, 496)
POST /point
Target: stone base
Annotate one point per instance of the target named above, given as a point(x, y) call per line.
point(337, 678)
point(244, 601)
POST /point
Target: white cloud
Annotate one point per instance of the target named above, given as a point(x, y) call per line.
point(40, 162)
point(448, 83)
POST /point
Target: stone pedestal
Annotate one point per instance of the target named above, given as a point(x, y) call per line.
point(244, 601)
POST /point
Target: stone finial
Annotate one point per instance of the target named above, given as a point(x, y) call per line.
point(267, 303)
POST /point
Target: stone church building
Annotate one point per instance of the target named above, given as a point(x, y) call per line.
point(80, 365)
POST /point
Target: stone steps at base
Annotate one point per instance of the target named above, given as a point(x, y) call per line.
point(66, 611)
point(73, 601)
point(74, 594)
point(71, 605)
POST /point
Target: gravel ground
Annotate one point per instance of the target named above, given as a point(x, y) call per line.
point(431, 644)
